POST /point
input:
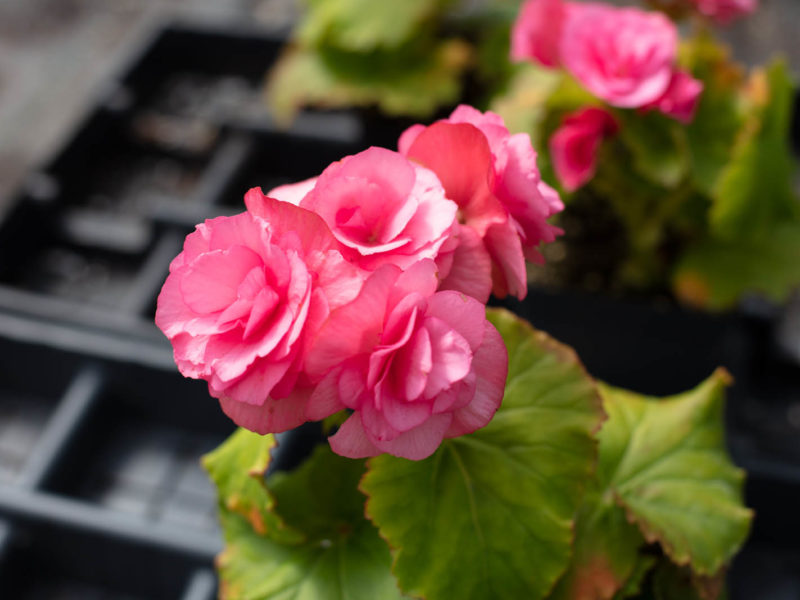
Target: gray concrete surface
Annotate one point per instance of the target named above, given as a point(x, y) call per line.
point(55, 53)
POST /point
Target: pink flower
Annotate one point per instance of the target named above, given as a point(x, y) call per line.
point(415, 366)
point(724, 11)
point(575, 144)
point(503, 205)
point(681, 97)
point(624, 56)
point(293, 193)
point(380, 206)
point(536, 33)
point(243, 300)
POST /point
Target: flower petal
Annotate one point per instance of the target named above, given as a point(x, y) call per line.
point(293, 193)
point(351, 441)
point(490, 364)
point(272, 416)
point(471, 268)
point(420, 442)
point(211, 282)
point(459, 154)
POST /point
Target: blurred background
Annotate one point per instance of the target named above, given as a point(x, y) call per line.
point(54, 54)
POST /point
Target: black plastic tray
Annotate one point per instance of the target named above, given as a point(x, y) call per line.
point(101, 484)
point(179, 137)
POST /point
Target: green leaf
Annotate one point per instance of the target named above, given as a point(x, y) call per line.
point(363, 25)
point(606, 554)
point(657, 144)
point(666, 462)
point(718, 118)
point(716, 273)
point(754, 192)
point(525, 104)
point(237, 468)
point(353, 565)
point(336, 553)
point(491, 514)
point(414, 82)
point(662, 468)
point(320, 498)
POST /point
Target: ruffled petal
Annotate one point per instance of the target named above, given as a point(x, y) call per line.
point(272, 416)
point(351, 441)
point(490, 365)
point(420, 442)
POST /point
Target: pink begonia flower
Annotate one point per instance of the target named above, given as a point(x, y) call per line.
point(415, 365)
point(379, 205)
point(624, 56)
point(242, 302)
point(503, 205)
point(724, 11)
point(574, 145)
point(536, 33)
point(293, 193)
point(681, 97)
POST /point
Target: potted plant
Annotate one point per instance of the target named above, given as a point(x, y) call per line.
point(496, 467)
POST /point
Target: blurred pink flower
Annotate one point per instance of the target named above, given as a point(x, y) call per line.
point(244, 298)
point(575, 144)
point(681, 97)
point(536, 33)
point(415, 366)
point(503, 205)
point(624, 56)
point(724, 11)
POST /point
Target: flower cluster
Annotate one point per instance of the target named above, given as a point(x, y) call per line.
point(364, 289)
point(624, 56)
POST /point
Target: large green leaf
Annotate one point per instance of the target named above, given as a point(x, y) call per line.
point(336, 553)
point(666, 463)
point(414, 82)
point(754, 192)
point(491, 514)
point(363, 25)
point(714, 274)
point(662, 468)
